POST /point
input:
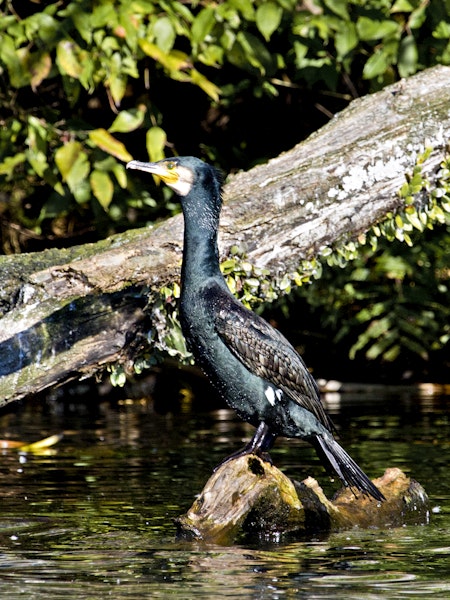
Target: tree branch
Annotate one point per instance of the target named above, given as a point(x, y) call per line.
point(67, 313)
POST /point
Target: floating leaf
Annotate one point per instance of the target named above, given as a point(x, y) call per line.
point(41, 445)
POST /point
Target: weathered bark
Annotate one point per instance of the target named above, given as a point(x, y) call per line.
point(66, 313)
point(249, 497)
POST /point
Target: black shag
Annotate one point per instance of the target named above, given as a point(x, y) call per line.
point(253, 366)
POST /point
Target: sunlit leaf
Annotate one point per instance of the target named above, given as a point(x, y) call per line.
point(128, 120)
point(402, 6)
point(102, 187)
point(117, 85)
point(77, 178)
point(120, 174)
point(245, 7)
point(172, 61)
point(442, 30)
point(10, 163)
point(370, 29)
point(205, 84)
point(268, 18)
point(346, 39)
point(40, 65)
point(104, 140)
point(376, 64)
point(203, 23)
point(65, 157)
point(156, 141)
point(339, 7)
point(67, 57)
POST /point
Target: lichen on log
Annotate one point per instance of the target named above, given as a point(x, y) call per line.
point(247, 497)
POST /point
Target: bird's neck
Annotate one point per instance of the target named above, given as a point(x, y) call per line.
point(200, 256)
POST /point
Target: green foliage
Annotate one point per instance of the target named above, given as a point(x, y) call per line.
point(84, 83)
point(77, 83)
point(390, 303)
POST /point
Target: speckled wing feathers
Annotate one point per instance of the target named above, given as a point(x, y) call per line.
point(267, 353)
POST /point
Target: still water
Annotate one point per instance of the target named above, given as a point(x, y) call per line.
point(93, 517)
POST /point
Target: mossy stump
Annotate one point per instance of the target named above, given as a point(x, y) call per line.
point(247, 497)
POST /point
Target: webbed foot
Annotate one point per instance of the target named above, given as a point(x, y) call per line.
point(260, 445)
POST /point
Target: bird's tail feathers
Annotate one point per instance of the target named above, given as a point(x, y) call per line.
point(345, 467)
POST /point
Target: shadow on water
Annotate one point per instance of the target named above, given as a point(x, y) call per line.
point(93, 517)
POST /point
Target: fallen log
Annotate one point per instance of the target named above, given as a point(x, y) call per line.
point(67, 313)
point(247, 497)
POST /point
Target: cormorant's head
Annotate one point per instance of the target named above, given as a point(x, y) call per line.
point(181, 173)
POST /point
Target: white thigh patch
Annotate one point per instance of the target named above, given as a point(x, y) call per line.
point(273, 395)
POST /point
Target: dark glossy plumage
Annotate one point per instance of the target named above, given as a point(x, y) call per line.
point(254, 367)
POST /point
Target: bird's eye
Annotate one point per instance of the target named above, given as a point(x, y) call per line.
point(170, 166)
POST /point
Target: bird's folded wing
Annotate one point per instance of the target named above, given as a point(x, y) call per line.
point(267, 353)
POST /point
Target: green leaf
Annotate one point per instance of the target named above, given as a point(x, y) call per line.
point(402, 6)
point(202, 25)
point(164, 33)
point(370, 29)
point(250, 54)
point(72, 162)
point(346, 40)
point(407, 56)
point(205, 84)
point(77, 178)
point(39, 66)
point(376, 64)
point(15, 61)
point(102, 187)
point(268, 18)
point(212, 55)
point(339, 7)
point(156, 142)
point(120, 174)
point(109, 144)
point(128, 120)
point(8, 165)
point(245, 7)
point(172, 61)
point(66, 156)
point(442, 31)
point(418, 17)
point(67, 58)
point(37, 145)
